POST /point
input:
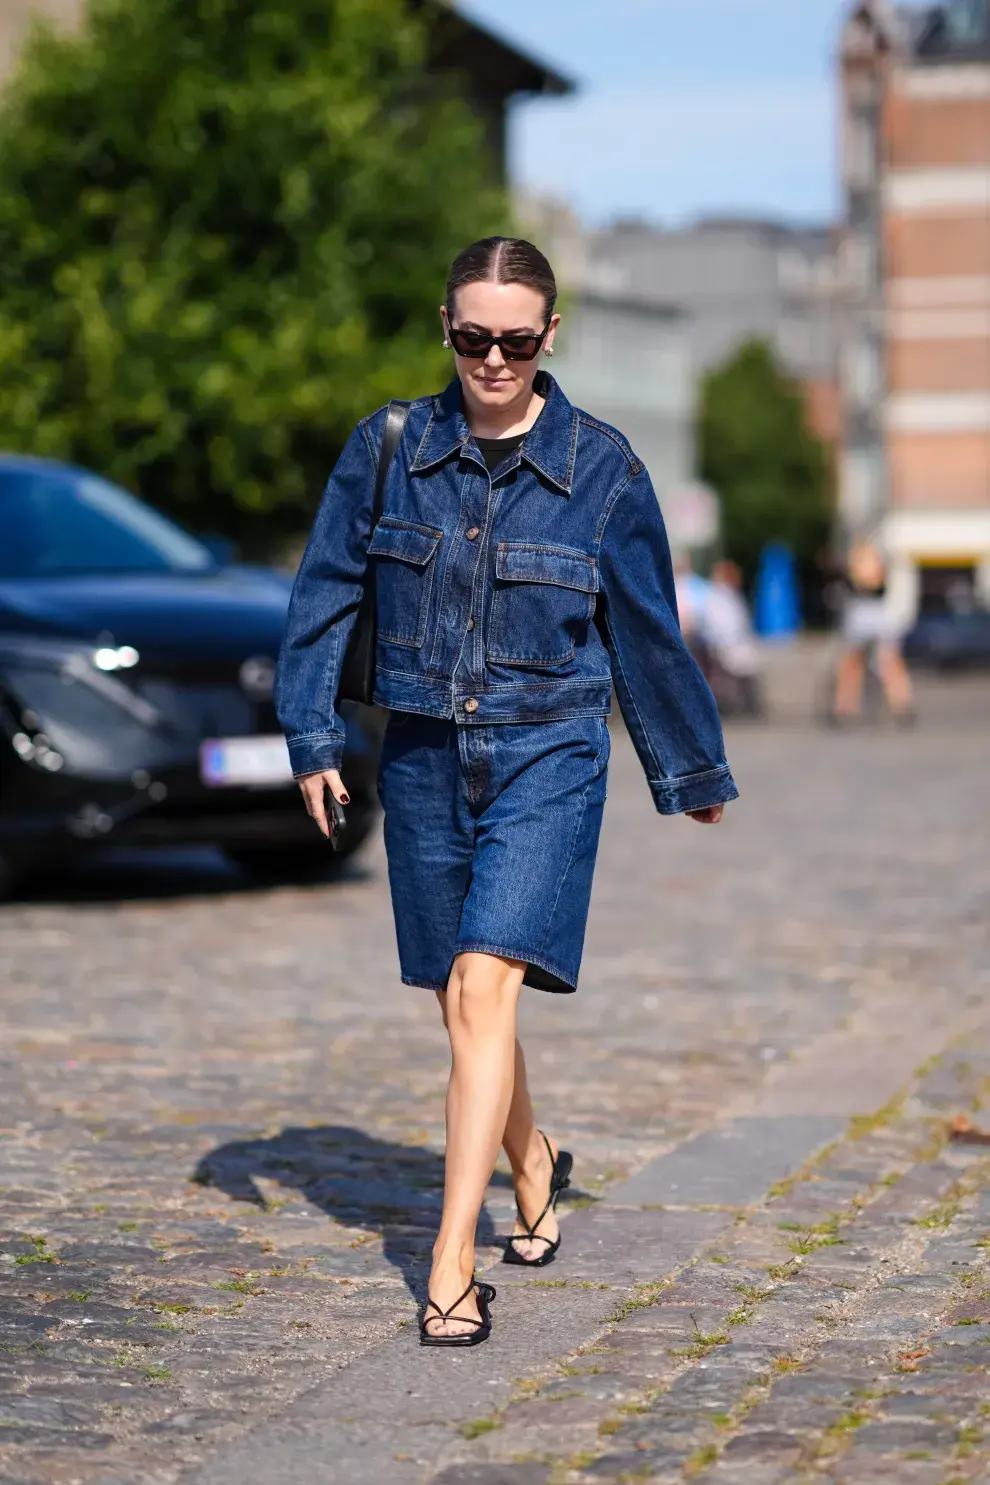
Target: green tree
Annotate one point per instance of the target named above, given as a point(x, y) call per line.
point(757, 450)
point(224, 230)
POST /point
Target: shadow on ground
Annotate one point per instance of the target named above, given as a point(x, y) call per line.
point(377, 1185)
point(120, 875)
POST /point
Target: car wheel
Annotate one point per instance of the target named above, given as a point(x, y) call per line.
point(303, 862)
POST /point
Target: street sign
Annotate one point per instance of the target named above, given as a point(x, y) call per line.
point(692, 515)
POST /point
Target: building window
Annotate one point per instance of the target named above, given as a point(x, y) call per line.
point(860, 264)
point(966, 21)
point(861, 150)
point(948, 589)
point(862, 372)
point(793, 272)
point(796, 342)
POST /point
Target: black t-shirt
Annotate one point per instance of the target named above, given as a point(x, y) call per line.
point(494, 450)
point(850, 590)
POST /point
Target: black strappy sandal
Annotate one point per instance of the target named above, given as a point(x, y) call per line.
point(560, 1179)
point(483, 1327)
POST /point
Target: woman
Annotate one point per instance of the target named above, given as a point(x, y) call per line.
point(520, 566)
point(869, 627)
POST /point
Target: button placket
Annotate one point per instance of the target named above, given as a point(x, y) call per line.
point(473, 650)
point(470, 562)
point(459, 580)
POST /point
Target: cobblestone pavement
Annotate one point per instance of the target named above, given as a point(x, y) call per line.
point(220, 1169)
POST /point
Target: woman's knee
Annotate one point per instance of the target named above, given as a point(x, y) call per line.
point(890, 661)
point(483, 989)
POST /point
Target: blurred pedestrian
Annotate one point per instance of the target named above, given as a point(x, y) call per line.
point(727, 631)
point(692, 597)
point(513, 526)
point(870, 632)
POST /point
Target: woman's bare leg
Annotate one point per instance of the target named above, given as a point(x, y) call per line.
point(895, 679)
point(523, 1143)
point(849, 683)
point(479, 1007)
point(531, 1166)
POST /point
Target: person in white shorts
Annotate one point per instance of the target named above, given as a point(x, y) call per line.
point(870, 626)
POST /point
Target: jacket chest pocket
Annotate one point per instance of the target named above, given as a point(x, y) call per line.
point(543, 601)
point(405, 558)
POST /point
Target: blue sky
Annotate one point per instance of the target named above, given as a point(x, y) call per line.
point(685, 108)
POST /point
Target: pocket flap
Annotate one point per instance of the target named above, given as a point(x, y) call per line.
point(555, 565)
point(400, 539)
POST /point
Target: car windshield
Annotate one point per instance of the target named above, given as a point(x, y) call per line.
point(59, 523)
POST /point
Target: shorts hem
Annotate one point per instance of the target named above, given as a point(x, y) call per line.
point(559, 982)
point(540, 973)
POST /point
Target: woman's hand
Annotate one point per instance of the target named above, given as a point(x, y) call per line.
point(710, 815)
point(314, 786)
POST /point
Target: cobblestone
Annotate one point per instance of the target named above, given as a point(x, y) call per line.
point(810, 1359)
point(222, 1119)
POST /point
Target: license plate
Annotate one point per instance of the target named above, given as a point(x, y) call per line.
point(231, 761)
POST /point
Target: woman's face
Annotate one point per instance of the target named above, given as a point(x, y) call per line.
point(499, 309)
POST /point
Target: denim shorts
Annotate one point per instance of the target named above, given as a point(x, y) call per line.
point(491, 834)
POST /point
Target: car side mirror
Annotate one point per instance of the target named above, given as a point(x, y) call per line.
point(221, 549)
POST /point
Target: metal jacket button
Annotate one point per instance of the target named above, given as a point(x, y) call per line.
point(471, 705)
point(473, 534)
point(470, 624)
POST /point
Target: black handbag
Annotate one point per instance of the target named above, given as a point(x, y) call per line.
point(357, 674)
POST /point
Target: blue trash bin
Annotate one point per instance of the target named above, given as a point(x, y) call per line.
point(777, 602)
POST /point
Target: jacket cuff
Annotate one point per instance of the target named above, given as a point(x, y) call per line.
point(315, 752)
point(694, 791)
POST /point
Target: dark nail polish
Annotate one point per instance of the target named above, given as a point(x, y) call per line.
point(345, 799)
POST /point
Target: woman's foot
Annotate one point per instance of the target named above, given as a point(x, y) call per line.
point(449, 1277)
point(532, 1186)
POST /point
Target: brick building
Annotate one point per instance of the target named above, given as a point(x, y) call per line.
point(916, 271)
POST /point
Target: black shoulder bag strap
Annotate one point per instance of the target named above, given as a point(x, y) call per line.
point(357, 674)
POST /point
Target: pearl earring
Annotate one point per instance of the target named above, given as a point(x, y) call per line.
point(446, 344)
point(549, 350)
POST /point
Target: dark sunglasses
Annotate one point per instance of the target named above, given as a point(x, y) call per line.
point(476, 345)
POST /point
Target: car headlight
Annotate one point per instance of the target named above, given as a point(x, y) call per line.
point(121, 658)
point(65, 710)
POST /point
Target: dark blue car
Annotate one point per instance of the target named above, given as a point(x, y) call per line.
point(950, 640)
point(136, 670)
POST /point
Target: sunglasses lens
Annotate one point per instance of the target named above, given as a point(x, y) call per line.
point(521, 347)
point(471, 343)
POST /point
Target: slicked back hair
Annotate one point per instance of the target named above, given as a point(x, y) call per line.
point(502, 260)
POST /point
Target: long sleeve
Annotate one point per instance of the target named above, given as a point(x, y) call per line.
point(322, 611)
point(666, 702)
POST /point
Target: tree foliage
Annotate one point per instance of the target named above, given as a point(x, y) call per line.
point(756, 449)
point(224, 230)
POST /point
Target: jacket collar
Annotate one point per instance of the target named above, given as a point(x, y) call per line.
point(549, 446)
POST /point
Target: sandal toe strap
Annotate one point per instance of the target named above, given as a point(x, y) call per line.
point(486, 1293)
point(445, 1319)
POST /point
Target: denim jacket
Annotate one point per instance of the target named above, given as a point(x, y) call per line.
point(519, 597)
